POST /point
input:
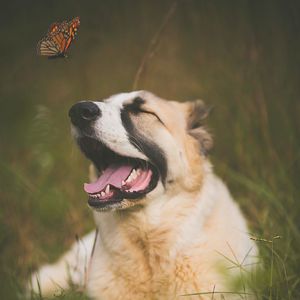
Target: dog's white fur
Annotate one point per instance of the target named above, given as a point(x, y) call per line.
point(180, 238)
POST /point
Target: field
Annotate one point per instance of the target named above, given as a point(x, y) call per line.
point(242, 57)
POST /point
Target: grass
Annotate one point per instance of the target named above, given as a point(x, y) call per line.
point(241, 56)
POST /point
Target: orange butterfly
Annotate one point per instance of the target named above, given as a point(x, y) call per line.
point(58, 39)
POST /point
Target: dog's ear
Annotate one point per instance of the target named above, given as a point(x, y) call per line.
point(197, 113)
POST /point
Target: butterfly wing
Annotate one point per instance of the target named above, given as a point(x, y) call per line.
point(48, 47)
point(53, 27)
point(72, 31)
point(60, 39)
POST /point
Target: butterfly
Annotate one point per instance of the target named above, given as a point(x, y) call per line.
point(58, 38)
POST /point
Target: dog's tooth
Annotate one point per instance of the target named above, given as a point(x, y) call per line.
point(123, 182)
point(107, 189)
point(138, 171)
point(103, 194)
point(133, 174)
point(98, 195)
point(133, 171)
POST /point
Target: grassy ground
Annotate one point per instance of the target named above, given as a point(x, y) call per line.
point(241, 56)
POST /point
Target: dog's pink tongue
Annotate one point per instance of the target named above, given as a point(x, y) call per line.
point(113, 175)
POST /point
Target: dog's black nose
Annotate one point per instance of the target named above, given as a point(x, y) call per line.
point(82, 113)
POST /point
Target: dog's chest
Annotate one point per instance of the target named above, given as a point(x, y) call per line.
point(154, 277)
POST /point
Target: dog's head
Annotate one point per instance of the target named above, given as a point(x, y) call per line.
point(141, 146)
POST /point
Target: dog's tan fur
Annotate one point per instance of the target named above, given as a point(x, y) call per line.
point(178, 238)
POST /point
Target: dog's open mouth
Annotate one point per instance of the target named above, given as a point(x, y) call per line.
point(119, 178)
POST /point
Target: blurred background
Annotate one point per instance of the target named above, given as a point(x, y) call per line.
point(242, 57)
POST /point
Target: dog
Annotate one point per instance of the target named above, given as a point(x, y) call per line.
point(167, 226)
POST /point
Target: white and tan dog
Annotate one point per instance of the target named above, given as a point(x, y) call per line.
point(167, 226)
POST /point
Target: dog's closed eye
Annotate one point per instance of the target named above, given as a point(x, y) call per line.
point(151, 113)
point(136, 107)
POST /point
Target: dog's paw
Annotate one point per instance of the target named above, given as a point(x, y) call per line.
point(44, 282)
